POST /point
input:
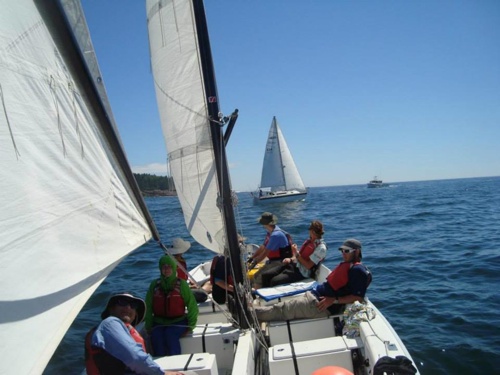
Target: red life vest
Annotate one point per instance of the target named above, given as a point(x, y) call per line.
point(282, 252)
point(307, 249)
point(90, 354)
point(168, 305)
point(339, 277)
point(180, 273)
point(97, 358)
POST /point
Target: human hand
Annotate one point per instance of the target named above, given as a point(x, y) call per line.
point(187, 332)
point(173, 373)
point(325, 302)
point(287, 260)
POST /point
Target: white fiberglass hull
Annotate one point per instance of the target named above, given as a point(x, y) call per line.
point(280, 197)
point(316, 343)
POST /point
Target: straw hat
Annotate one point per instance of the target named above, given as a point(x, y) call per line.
point(179, 246)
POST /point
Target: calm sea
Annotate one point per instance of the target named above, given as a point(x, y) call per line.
point(433, 248)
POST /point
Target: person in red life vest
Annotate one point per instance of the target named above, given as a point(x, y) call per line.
point(178, 248)
point(276, 247)
point(347, 283)
point(115, 346)
point(304, 262)
point(167, 300)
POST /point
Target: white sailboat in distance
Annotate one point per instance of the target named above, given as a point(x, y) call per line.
point(280, 181)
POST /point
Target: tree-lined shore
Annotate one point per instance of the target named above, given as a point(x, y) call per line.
point(152, 185)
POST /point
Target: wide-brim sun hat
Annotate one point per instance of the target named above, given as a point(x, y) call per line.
point(140, 311)
point(268, 218)
point(179, 246)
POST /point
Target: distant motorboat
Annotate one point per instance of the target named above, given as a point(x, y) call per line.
point(376, 183)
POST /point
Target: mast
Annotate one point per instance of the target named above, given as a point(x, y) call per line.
point(224, 183)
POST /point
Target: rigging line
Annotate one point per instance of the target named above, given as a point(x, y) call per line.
point(8, 124)
point(165, 249)
point(52, 85)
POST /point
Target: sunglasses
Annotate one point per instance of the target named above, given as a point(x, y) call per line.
point(127, 302)
point(346, 251)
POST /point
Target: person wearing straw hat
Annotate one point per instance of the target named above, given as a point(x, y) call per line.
point(178, 248)
point(115, 346)
point(167, 300)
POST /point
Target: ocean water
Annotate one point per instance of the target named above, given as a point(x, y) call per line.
point(433, 248)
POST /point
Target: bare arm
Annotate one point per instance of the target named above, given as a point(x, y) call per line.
point(308, 263)
point(225, 286)
point(260, 254)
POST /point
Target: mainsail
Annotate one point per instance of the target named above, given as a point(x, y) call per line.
point(70, 207)
point(279, 171)
point(176, 62)
point(187, 99)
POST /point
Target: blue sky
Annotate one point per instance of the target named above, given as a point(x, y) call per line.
point(405, 90)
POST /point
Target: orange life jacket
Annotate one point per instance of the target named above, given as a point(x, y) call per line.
point(98, 361)
point(180, 273)
point(168, 304)
point(307, 249)
point(282, 252)
point(339, 277)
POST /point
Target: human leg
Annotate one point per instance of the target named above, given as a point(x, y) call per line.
point(266, 273)
point(199, 295)
point(290, 274)
point(158, 342)
point(172, 336)
point(301, 307)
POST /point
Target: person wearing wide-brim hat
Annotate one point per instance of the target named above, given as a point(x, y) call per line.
point(115, 346)
point(178, 248)
point(276, 247)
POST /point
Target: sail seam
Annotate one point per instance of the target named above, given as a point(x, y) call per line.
point(52, 85)
point(8, 124)
point(75, 114)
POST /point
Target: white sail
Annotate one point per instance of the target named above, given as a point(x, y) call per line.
point(177, 73)
point(279, 171)
point(67, 214)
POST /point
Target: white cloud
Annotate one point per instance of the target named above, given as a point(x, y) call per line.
point(159, 169)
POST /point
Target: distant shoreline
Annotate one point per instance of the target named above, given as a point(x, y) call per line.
point(159, 193)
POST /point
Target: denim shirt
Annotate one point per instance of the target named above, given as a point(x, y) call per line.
point(113, 336)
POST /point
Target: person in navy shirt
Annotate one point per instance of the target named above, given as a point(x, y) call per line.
point(346, 284)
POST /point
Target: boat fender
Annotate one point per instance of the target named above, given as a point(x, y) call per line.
point(332, 370)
